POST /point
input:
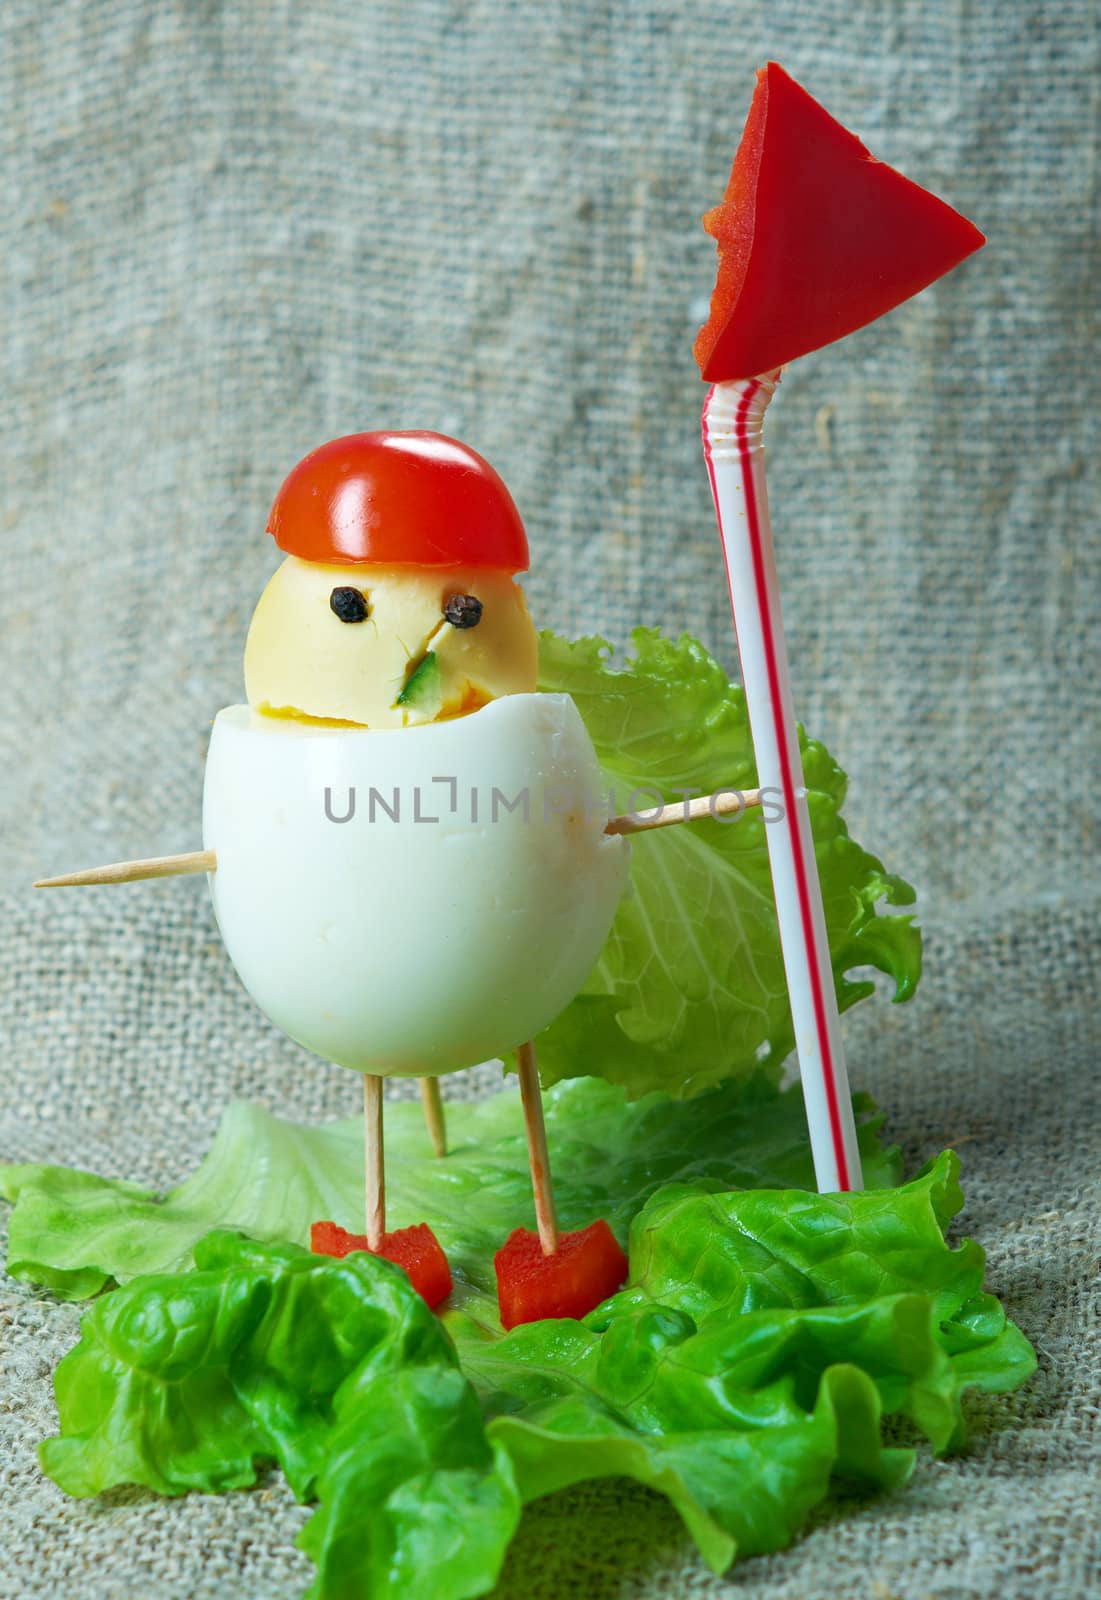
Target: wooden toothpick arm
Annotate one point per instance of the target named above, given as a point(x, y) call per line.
point(725, 803)
point(134, 871)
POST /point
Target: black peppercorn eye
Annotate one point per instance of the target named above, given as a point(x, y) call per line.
point(350, 605)
point(463, 610)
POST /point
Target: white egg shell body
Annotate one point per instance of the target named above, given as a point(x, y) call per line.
point(432, 942)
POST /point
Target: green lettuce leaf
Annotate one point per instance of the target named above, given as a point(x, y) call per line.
point(746, 1367)
point(74, 1233)
point(337, 1371)
point(761, 1337)
point(690, 987)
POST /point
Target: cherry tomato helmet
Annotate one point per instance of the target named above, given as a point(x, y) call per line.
point(410, 498)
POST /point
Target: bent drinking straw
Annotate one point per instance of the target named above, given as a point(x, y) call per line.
point(733, 415)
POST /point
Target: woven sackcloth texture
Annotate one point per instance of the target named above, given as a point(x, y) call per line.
point(235, 228)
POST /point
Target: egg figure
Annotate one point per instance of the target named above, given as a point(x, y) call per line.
point(406, 847)
point(412, 874)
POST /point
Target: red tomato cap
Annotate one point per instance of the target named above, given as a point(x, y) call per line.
point(414, 498)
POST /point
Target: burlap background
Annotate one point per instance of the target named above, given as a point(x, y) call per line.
point(231, 231)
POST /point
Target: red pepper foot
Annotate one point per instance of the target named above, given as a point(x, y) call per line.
point(416, 1250)
point(586, 1268)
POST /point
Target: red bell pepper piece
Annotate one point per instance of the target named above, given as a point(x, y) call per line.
point(586, 1268)
point(416, 1250)
point(816, 237)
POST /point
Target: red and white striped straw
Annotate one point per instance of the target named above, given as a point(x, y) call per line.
point(733, 415)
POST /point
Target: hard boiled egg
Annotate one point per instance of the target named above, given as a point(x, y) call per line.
point(411, 901)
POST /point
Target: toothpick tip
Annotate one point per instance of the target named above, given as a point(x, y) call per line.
point(135, 871)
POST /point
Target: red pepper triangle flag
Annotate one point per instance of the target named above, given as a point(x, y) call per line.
point(816, 237)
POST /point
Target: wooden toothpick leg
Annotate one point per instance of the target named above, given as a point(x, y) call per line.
point(530, 1094)
point(432, 1101)
point(373, 1161)
point(134, 871)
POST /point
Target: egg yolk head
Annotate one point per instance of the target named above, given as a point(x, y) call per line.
point(387, 646)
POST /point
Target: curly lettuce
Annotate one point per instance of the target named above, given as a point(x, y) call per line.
point(337, 1371)
point(746, 1367)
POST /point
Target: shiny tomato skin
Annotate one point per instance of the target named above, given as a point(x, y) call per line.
point(398, 498)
